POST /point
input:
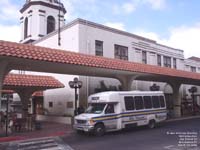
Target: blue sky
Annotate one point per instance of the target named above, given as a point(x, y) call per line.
point(175, 23)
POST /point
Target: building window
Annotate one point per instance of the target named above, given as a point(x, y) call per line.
point(69, 104)
point(25, 28)
point(121, 52)
point(174, 63)
point(193, 69)
point(167, 61)
point(51, 104)
point(50, 24)
point(99, 48)
point(144, 57)
point(159, 60)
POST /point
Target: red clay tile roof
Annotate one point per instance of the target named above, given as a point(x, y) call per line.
point(16, 80)
point(25, 51)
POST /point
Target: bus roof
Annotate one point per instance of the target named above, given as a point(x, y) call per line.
point(113, 96)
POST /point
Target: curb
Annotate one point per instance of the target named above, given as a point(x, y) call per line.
point(22, 138)
point(183, 118)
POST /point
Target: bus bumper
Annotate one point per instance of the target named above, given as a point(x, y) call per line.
point(85, 128)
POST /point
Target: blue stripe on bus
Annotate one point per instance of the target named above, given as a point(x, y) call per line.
point(127, 114)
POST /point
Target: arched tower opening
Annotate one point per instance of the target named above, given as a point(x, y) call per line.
point(25, 28)
point(51, 23)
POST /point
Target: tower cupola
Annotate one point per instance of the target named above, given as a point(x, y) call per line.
point(39, 18)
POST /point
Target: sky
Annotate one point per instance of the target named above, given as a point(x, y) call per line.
point(174, 23)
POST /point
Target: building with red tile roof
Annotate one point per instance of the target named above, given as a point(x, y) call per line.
point(83, 48)
point(91, 65)
point(16, 83)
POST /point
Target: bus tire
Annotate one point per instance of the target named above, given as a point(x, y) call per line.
point(99, 130)
point(79, 132)
point(152, 124)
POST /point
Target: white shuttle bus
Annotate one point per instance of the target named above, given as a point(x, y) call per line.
point(111, 111)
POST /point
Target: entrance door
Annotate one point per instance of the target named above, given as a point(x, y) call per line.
point(110, 117)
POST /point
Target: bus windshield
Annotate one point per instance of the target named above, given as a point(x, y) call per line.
point(95, 108)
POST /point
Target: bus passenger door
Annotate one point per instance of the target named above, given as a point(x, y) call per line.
point(110, 117)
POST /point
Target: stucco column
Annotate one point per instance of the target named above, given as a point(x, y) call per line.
point(126, 82)
point(25, 95)
point(176, 99)
point(3, 72)
point(1, 86)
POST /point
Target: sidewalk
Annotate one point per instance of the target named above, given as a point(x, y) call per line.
point(49, 129)
point(183, 118)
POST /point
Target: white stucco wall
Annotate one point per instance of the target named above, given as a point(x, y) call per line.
point(89, 33)
point(69, 39)
point(60, 97)
point(79, 37)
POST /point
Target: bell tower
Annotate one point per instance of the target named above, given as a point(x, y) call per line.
point(39, 18)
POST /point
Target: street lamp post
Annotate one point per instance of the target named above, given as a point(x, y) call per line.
point(192, 90)
point(75, 84)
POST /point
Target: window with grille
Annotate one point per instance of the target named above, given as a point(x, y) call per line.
point(167, 61)
point(193, 69)
point(159, 60)
point(144, 57)
point(174, 63)
point(121, 52)
point(98, 48)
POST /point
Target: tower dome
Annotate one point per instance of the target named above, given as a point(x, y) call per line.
point(39, 18)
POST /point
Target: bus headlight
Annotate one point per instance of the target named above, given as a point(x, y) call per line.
point(91, 122)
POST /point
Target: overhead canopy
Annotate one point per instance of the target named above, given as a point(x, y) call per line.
point(17, 81)
point(35, 58)
point(35, 94)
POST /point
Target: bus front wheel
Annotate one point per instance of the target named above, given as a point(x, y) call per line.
point(152, 124)
point(99, 130)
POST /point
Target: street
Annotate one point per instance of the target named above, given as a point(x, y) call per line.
point(169, 136)
point(165, 137)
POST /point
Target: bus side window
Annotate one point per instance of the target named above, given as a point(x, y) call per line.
point(147, 102)
point(109, 109)
point(156, 102)
point(162, 101)
point(129, 103)
point(139, 102)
